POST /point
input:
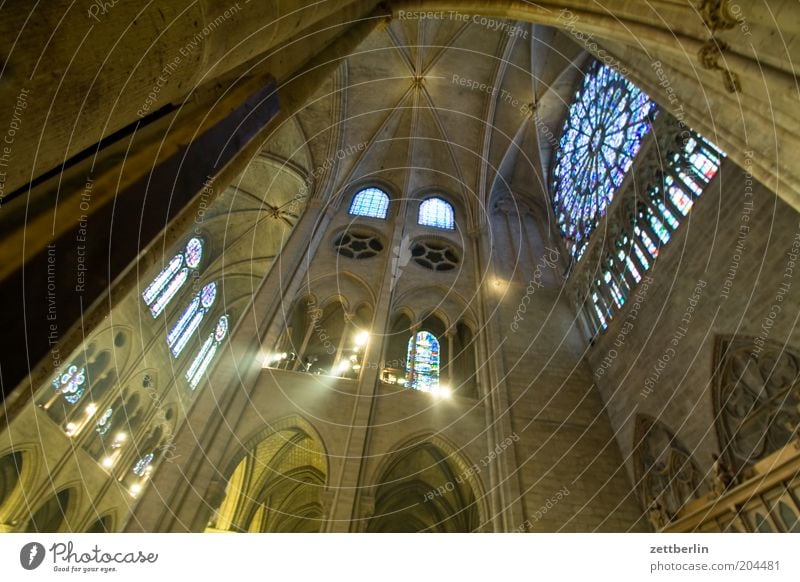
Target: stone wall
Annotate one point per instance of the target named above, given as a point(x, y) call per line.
point(727, 271)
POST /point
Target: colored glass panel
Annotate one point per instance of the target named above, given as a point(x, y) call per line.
point(437, 213)
point(172, 278)
point(605, 125)
point(143, 464)
point(423, 362)
point(71, 383)
point(370, 202)
point(207, 352)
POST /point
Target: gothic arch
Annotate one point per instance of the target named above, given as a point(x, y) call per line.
point(93, 370)
point(664, 469)
point(18, 472)
point(425, 484)
point(276, 481)
point(344, 286)
point(104, 524)
point(448, 303)
point(756, 392)
point(53, 513)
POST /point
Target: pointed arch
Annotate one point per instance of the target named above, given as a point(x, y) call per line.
point(52, 514)
point(426, 484)
point(276, 481)
point(166, 285)
point(756, 393)
point(664, 468)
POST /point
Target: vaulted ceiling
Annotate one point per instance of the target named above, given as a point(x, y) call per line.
point(445, 103)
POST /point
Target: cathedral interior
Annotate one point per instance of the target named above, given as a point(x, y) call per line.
point(411, 266)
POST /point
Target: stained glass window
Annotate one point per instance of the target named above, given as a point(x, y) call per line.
point(659, 228)
point(103, 424)
point(684, 177)
point(71, 383)
point(207, 352)
point(602, 134)
point(647, 241)
point(190, 319)
point(640, 255)
point(668, 216)
point(598, 310)
point(193, 253)
point(438, 213)
point(422, 366)
point(170, 280)
point(142, 465)
point(632, 269)
point(370, 202)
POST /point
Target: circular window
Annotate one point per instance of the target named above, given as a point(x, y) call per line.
point(602, 134)
point(357, 245)
point(435, 255)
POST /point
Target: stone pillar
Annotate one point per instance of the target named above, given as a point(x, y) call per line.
point(450, 336)
point(349, 491)
point(504, 494)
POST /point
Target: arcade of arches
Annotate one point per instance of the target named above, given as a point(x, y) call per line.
point(435, 266)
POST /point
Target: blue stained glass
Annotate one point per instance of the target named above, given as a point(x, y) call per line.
point(203, 365)
point(71, 383)
point(187, 332)
point(688, 172)
point(183, 321)
point(142, 465)
point(208, 294)
point(668, 216)
point(370, 202)
point(194, 252)
point(632, 269)
point(423, 362)
point(103, 424)
point(207, 352)
point(222, 328)
point(191, 318)
point(170, 280)
point(647, 241)
point(642, 258)
point(154, 289)
point(603, 132)
point(659, 228)
point(171, 289)
point(438, 213)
